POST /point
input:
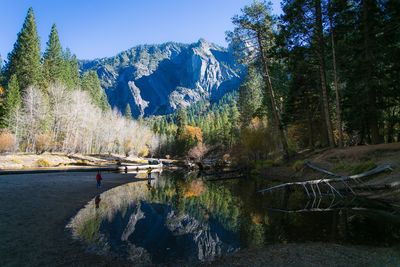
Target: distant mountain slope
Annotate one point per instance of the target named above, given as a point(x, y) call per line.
point(157, 79)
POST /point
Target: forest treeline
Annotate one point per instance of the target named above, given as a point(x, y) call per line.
point(46, 104)
point(325, 73)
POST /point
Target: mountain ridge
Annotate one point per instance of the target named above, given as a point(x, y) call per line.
point(158, 79)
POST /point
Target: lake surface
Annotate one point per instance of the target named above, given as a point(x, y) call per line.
point(181, 218)
point(61, 219)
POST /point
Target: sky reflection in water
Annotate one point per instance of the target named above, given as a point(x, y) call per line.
point(180, 218)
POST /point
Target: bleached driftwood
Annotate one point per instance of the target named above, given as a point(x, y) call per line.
point(376, 170)
point(312, 187)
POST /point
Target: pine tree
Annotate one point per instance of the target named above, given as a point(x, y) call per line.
point(71, 70)
point(254, 38)
point(2, 94)
point(1, 71)
point(128, 112)
point(53, 59)
point(320, 52)
point(91, 84)
point(181, 120)
point(250, 96)
point(24, 60)
point(13, 99)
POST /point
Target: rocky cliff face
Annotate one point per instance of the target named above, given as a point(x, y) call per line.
point(154, 233)
point(158, 79)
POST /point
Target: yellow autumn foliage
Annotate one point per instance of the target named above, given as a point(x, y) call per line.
point(192, 133)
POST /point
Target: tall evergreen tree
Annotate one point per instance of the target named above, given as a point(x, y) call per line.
point(181, 120)
point(320, 52)
point(91, 84)
point(392, 70)
point(254, 32)
point(362, 39)
point(24, 60)
point(71, 70)
point(1, 71)
point(13, 99)
point(250, 96)
point(335, 78)
point(53, 59)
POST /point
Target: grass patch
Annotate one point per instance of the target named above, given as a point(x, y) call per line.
point(89, 231)
point(16, 161)
point(298, 165)
point(43, 163)
point(354, 168)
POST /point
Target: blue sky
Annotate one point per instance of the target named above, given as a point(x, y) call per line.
point(100, 28)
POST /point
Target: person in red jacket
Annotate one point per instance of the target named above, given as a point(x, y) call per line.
point(98, 179)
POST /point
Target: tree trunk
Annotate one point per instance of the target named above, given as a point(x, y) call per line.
point(271, 93)
point(336, 85)
point(310, 125)
point(322, 71)
point(370, 88)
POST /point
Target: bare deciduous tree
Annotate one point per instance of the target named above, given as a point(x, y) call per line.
point(72, 124)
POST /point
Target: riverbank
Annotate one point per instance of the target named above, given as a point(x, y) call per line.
point(36, 207)
point(60, 160)
point(346, 161)
point(312, 254)
point(20, 163)
point(34, 211)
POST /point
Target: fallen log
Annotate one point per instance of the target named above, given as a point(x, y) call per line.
point(375, 170)
point(320, 169)
point(313, 185)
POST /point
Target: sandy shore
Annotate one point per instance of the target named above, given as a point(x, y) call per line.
point(60, 160)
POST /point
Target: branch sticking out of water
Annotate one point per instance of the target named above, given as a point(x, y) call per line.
point(312, 189)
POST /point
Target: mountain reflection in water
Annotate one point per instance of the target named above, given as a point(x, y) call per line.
point(180, 218)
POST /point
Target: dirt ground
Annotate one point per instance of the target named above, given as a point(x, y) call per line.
point(331, 158)
point(380, 152)
point(312, 254)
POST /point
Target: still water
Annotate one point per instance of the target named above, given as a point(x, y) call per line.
point(181, 217)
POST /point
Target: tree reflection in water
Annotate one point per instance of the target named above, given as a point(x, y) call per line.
point(182, 218)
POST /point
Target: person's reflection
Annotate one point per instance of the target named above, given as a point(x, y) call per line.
point(149, 178)
point(97, 201)
point(149, 182)
point(149, 185)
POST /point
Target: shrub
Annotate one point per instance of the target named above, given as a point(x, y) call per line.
point(128, 147)
point(7, 142)
point(198, 151)
point(144, 152)
point(298, 165)
point(42, 163)
point(43, 143)
point(257, 142)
